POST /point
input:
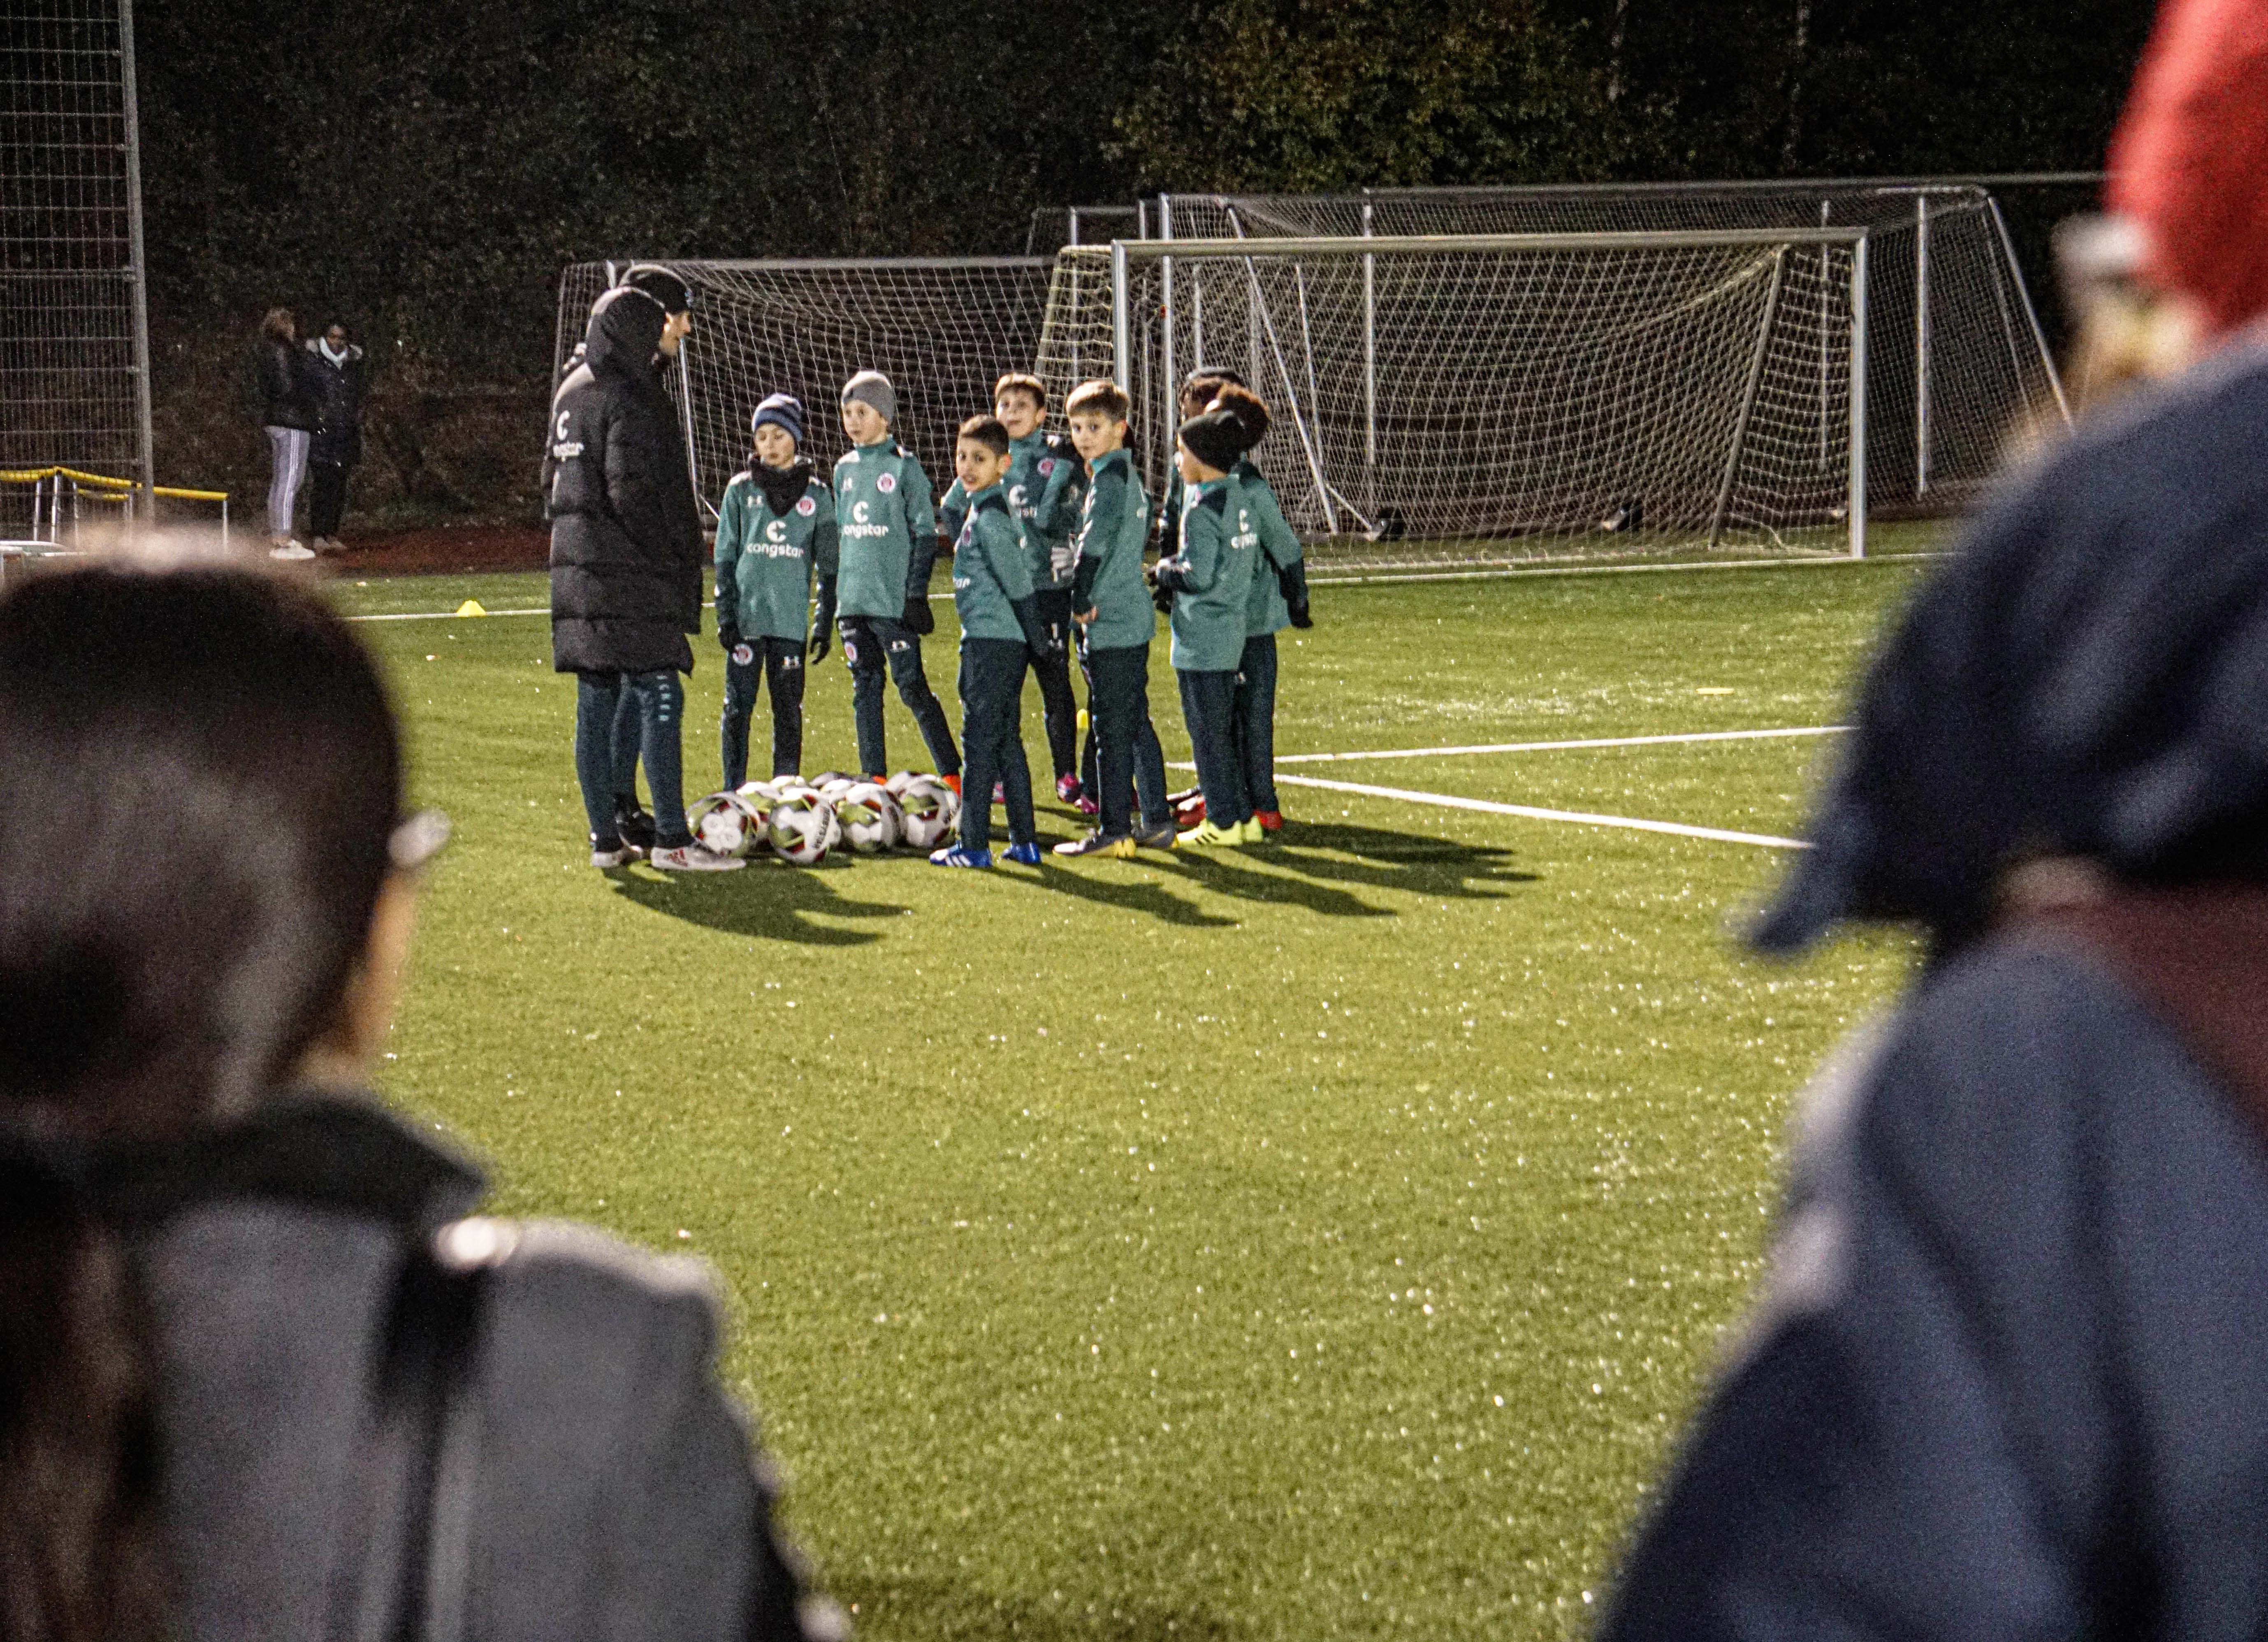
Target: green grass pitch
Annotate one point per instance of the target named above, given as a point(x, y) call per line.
point(1320, 1240)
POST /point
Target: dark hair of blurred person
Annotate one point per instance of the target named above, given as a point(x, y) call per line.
point(208, 1231)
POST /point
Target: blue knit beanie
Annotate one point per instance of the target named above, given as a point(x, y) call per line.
point(782, 410)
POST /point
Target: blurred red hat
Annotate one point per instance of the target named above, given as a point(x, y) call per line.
point(2190, 159)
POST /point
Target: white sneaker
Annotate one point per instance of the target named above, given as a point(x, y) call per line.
point(620, 855)
point(695, 858)
point(291, 550)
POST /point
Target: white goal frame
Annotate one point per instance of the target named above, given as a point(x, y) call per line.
point(1163, 379)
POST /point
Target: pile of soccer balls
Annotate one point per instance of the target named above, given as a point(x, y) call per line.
point(803, 823)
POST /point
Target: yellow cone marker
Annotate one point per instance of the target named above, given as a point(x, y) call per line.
point(471, 607)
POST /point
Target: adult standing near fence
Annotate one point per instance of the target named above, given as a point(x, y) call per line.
point(287, 411)
point(334, 365)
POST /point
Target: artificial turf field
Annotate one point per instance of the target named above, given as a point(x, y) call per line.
point(1316, 1241)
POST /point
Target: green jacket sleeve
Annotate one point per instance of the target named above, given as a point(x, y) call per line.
point(951, 512)
point(921, 525)
point(1006, 558)
point(1203, 544)
point(1098, 535)
point(732, 531)
point(1277, 539)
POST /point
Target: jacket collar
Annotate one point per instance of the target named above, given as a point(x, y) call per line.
point(316, 1148)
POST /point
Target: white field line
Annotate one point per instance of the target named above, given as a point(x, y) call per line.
point(1367, 581)
point(1582, 818)
point(1562, 746)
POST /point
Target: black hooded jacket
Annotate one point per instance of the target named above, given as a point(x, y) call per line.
point(626, 549)
point(287, 399)
point(337, 390)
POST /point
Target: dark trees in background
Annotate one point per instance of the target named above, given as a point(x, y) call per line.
point(421, 172)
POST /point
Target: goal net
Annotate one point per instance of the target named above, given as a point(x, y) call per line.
point(943, 330)
point(1554, 395)
point(1956, 359)
point(74, 341)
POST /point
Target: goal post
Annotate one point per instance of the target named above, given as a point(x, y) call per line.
point(75, 388)
point(1508, 396)
point(1958, 360)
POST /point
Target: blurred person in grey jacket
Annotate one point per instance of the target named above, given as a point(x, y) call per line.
point(260, 1375)
point(2009, 1374)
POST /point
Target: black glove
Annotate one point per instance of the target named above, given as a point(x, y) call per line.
point(728, 636)
point(1291, 582)
point(822, 625)
point(917, 616)
point(1040, 638)
point(1162, 596)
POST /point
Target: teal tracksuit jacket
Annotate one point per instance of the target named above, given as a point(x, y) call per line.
point(887, 523)
point(765, 561)
point(1106, 568)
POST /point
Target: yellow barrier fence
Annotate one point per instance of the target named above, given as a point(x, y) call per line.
point(54, 487)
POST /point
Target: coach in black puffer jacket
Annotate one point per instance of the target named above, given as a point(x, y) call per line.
point(626, 548)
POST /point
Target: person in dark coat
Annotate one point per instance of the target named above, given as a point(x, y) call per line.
point(2009, 1375)
point(334, 367)
point(626, 562)
point(287, 415)
point(265, 1375)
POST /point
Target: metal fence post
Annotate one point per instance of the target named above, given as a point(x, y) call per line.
point(1921, 344)
point(1369, 368)
point(142, 418)
point(1858, 503)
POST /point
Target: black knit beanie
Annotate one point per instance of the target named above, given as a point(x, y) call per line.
point(1215, 439)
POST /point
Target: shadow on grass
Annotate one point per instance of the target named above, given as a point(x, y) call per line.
point(933, 1609)
point(766, 902)
point(1314, 866)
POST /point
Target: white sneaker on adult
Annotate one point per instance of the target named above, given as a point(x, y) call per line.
point(291, 550)
point(695, 858)
point(620, 855)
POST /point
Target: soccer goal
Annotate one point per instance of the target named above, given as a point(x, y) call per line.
point(942, 329)
point(1556, 395)
point(74, 326)
point(1956, 358)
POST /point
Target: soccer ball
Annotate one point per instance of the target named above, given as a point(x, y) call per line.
point(871, 821)
point(726, 823)
point(931, 809)
point(896, 785)
point(761, 795)
point(827, 778)
point(803, 828)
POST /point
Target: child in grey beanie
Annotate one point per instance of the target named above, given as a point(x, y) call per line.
point(874, 388)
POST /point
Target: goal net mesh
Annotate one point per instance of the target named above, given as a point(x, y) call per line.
point(942, 331)
point(67, 357)
point(1571, 402)
point(1955, 362)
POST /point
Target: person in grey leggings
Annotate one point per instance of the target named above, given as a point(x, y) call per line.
point(288, 414)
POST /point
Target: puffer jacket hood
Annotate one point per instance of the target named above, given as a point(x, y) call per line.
point(625, 333)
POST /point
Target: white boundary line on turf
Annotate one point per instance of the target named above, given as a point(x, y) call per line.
point(1364, 581)
point(1529, 811)
point(1560, 746)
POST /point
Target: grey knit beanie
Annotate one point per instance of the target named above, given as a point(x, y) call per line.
point(875, 389)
